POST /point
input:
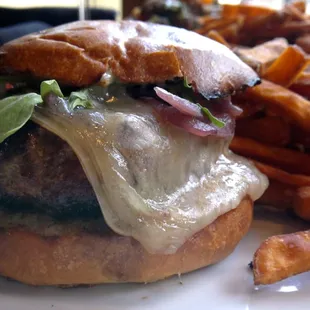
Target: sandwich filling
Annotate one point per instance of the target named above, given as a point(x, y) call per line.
point(158, 162)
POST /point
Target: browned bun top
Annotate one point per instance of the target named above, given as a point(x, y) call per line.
point(80, 53)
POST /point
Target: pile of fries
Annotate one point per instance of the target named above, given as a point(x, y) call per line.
point(251, 25)
point(274, 129)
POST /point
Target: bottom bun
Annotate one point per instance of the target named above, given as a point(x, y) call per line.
point(37, 251)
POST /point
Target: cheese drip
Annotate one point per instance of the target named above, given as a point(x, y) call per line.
point(153, 181)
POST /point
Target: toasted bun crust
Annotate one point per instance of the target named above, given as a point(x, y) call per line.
point(80, 53)
point(49, 254)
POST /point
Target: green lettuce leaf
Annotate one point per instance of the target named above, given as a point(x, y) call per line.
point(15, 111)
point(186, 84)
point(79, 99)
point(214, 120)
point(50, 86)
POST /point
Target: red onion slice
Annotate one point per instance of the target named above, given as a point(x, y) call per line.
point(194, 125)
point(181, 104)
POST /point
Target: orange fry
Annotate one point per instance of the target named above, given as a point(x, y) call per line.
point(217, 24)
point(302, 89)
point(204, 20)
point(296, 11)
point(256, 25)
point(278, 195)
point(300, 138)
point(249, 11)
point(300, 5)
point(303, 76)
point(269, 130)
point(230, 32)
point(289, 160)
point(214, 35)
point(295, 180)
point(288, 29)
point(301, 203)
point(282, 256)
point(263, 55)
point(286, 67)
point(282, 102)
point(248, 107)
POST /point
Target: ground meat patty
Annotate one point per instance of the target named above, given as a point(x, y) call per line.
point(40, 172)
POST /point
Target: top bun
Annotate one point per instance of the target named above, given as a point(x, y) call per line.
point(80, 53)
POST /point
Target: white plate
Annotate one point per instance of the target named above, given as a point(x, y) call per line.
point(227, 285)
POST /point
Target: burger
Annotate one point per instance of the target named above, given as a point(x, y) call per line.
point(114, 154)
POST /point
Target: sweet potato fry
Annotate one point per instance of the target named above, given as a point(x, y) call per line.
point(304, 42)
point(295, 180)
point(289, 160)
point(263, 55)
point(288, 29)
point(256, 25)
point(300, 5)
point(249, 11)
point(301, 203)
point(204, 20)
point(269, 130)
point(278, 195)
point(282, 102)
point(301, 83)
point(282, 256)
point(303, 76)
point(301, 89)
point(300, 138)
point(214, 35)
point(248, 107)
point(287, 66)
point(295, 11)
point(230, 32)
point(217, 24)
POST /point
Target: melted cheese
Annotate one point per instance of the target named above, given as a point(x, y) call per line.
point(154, 182)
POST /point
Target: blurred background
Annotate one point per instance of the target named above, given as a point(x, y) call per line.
point(19, 17)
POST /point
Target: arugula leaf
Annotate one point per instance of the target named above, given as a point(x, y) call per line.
point(186, 84)
point(214, 120)
point(15, 111)
point(50, 86)
point(79, 99)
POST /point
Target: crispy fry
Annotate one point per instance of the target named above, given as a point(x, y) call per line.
point(288, 29)
point(263, 55)
point(295, 11)
point(301, 203)
point(284, 70)
point(300, 138)
point(204, 20)
point(217, 24)
point(282, 102)
point(280, 257)
point(214, 35)
point(249, 11)
point(278, 195)
point(304, 42)
point(270, 130)
point(295, 180)
point(248, 107)
point(230, 32)
point(301, 89)
point(301, 83)
point(256, 25)
point(289, 160)
point(303, 76)
point(300, 5)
